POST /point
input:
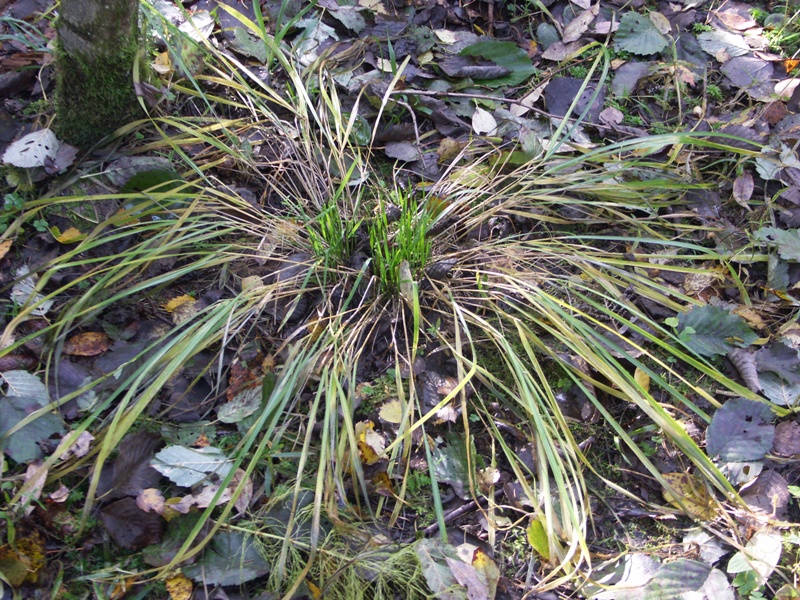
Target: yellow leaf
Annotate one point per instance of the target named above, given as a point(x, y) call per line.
point(391, 411)
point(162, 64)
point(173, 304)
point(316, 593)
point(642, 378)
point(5, 246)
point(70, 236)
point(179, 587)
point(695, 499)
point(370, 442)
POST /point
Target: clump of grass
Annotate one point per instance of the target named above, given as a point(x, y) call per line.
point(535, 297)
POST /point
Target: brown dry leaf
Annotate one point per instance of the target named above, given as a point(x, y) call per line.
point(178, 506)
point(528, 100)
point(383, 485)
point(202, 441)
point(769, 493)
point(131, 527)
point(80, 447)
point(60, 495)
point(696, 283)
point(578, 26)
point(151, 500)
point(559, 51)
point(787, 438)
point(179, 587)
point(694, 497)
point(90, 343)
point(743, 187)
point(35, 478)
point(5, 246)
point(487, 478)
point(370, 443)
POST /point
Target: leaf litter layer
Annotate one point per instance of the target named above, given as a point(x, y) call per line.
point(472, 296)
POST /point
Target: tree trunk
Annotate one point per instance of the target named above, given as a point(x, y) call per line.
point(97, 45)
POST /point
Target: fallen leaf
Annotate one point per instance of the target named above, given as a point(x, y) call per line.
point(391, 411)
point(71, 235)
point(176, 303)
point(60, 495)
point(129, 526)
point(179, 587)
point(695, 499)
point(370, 443)
point(642, 378)
point(35, 478)
point(22, 563)
point(151, 500)
point(90, 343)
point(5, 246)
point(787, 438)
point(578, 26)
point(483, 123)
point(79, 447)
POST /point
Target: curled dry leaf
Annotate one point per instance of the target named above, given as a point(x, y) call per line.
point(60, 495)
point(745, 362)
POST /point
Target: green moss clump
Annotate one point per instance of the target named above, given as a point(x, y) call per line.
point(93, 100)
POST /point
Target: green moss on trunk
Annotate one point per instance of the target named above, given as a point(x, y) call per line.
point(98, 44)
point(94, 100)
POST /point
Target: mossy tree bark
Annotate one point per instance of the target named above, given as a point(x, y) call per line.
point(97, 45)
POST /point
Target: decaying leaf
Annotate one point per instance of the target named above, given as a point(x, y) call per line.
point(151, 500)
point(23, 563)
point(743, 187)
point(24, 293)
point(32, 150)
point(370, 443)
point(131, 527)
point(769, 494)
point(79, 447)
point(578, 26)
point(131, 472)
point(179, 587)
point(90, 343)
point(691, 495)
